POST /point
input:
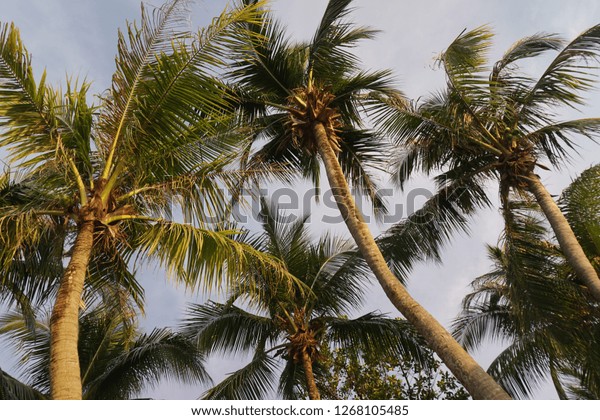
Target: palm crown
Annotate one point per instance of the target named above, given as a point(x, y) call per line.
point(307, 102)
point(286, 328)
point(112, 184)
point(495, 122)
point(517, 302)
point(117, 360)
point(286, 87)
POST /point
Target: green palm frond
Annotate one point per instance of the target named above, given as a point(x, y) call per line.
point(13, 389)
point(265, 81)
point(292, 381)
point(117, 361)
point(467, 54)
point(569, 73)
point(521, 368)
point(421, 235)
point(375, 333)
point(27, 107)
point(187, 117)
point(274, 318)
point(516, 302)
point(191, 254)
point(252, 382)
point(581, 204)
point(226, 328)
point(328, 50)
point(32, 345)
point(528, 47)
point(555, 140)
point(161, 354)
point(138, 50)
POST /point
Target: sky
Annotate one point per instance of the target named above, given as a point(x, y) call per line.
point(79, 38)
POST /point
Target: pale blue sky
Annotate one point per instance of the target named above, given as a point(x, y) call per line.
point(79, 38)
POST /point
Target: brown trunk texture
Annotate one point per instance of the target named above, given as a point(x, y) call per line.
point(566, 238)
point(472, 376)
point(65, 375)
point(313, 391)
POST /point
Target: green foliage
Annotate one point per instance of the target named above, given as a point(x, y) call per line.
point(272, 77)
point(278, 323)
point(117, 360)
point(347, 374)
point(492, 121)
point(533, 301)
point(147, 167)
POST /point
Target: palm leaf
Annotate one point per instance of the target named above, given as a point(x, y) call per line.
point(161, 354)
point(12, 389)
point(252, 382)
point(226, 328)
point(568, 74)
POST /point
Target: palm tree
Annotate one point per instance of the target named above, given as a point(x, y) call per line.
point(517, 303)
point(306, 103)
point(117, 360)
point(499, 123)
point(289, 327)
point(137, 178)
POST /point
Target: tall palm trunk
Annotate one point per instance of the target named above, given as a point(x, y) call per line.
point(65, 375)
point(565, 236)
point(313, 391)
point(472, 376)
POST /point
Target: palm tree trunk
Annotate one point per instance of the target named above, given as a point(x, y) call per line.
point(65, 374)
point(472, 376)
point(313, 391)
point(565, 236)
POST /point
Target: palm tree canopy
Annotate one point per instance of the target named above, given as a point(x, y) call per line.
point(117, 360)
point(284, 86)
point(153, 149)
point(495, 120)
point(137, 178)
point(498, 123)
point(277, 323)
point(517, 302)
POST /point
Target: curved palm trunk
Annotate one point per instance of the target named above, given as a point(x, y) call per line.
point(565, 236)
point(313, 391)
point(472, 376)
point(65, 375)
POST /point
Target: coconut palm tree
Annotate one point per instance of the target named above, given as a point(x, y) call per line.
point(117, 360)
point(517, 302)
point(306, 103)
point(137, 178)
point(499, 123)
point(285, 329)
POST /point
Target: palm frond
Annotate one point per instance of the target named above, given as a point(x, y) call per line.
point(193, 254)
point(521, 368)
point(422, 234)
point(226, 328)
point(161, 354)
point(568, 75)
point(581, 204)
point(527, 47)
point(375, 333)
point(27, 107)
point(184, 113)
point(556, 140)
point(138, 50)
point(252, 382)
point(329, 49)
point(13, 389)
